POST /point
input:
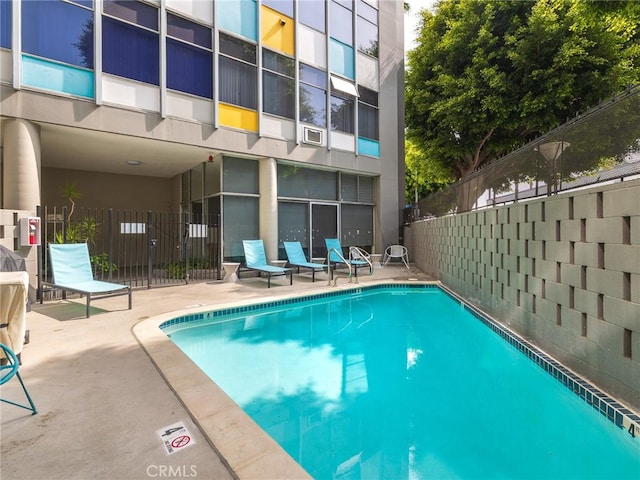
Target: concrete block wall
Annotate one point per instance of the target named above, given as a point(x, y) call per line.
point(563, 271)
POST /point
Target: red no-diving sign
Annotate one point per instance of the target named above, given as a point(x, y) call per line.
point(180, 441)
point(175, 437)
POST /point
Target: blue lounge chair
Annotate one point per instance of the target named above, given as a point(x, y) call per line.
point(256, 259)
point(334, 248)
point(9, 369)
point(71, 270)
point(296, 258)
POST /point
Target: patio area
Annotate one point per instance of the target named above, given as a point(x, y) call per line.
point(102, 404)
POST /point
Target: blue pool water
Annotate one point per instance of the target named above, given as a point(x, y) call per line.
point(396, 383)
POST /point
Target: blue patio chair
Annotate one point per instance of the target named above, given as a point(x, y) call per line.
point(296, 258)
point(71, 270)
point(8, 370)
point(256, 259)
point(334, 248)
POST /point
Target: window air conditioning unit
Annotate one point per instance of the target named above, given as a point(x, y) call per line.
point(311, 135)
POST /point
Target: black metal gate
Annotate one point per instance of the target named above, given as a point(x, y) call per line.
point(137, 248)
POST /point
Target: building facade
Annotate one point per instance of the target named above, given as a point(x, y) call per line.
point(282, 118)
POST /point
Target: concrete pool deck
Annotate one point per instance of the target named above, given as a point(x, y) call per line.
point(103, 404)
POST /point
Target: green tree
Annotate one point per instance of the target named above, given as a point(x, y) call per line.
point(488, 76)
point(422, 176)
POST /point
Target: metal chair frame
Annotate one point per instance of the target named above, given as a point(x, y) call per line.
point(10, 370)
point(397, 251)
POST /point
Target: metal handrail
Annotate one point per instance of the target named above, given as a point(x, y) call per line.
point(330, 270)
point(361, 254)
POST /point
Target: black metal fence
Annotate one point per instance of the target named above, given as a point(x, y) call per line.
point(136, 248)
point(602, 145)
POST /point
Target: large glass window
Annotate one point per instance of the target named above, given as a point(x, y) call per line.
point(238, 81)
point(293, 224)
point(189, 58)
point(313, 96)
point(357, 226)
point(278, 84)
point(342, 113)
point(356, 188)
point(368, 114)
point(196, 182)
point(235, 208)
point(55, 30)
point(298, 182)
point(312, 13)
point(134, 12)
point(240, 175)
point(313, 105)
point(367, 28)
point(341, 23)
point(183, 29)
point(5, 24)
point(130, 43)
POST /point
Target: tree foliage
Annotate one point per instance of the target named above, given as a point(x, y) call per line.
point(422, 177)
point(488, 76)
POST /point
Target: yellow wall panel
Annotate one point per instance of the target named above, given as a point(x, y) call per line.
point(275, 34)
point(237, 117)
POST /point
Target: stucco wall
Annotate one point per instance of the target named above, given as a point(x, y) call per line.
point(563, 271)
point(107, 190)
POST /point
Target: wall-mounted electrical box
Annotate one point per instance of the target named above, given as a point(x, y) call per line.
point(29, 231)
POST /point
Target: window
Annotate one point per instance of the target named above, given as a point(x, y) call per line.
point(234, 208)
point(130, 42)
point(278, 87)
point(238, 73)
point(240, 175)
point(368, 114)
point(343, 86)
point(293, 224)
point(341, 113)
point(313, 96)
point(341, 19)
point(55, 30)
point(5, 24)
point(367, 28)
point(282, 6)
point(178, 27)
point(137, 13)
point(312, 13)
point(357, 225)
point(189, 58)
point(356, 188)
point(299, 182)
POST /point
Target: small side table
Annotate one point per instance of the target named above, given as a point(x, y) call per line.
point(319, 260)
point(375, 260)
point(278, 263)
point(230, 271)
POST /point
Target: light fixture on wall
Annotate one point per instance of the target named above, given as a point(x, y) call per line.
point(282, 22)
point(134, 163)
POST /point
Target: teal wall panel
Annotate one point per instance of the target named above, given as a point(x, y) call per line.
point(341, 59)
point(368, 147)
point(238, 16)
point(58, 77)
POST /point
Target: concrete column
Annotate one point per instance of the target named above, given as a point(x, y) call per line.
point(269, 207)
point(21, 165)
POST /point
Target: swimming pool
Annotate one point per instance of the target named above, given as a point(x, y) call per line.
point(405, 382)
